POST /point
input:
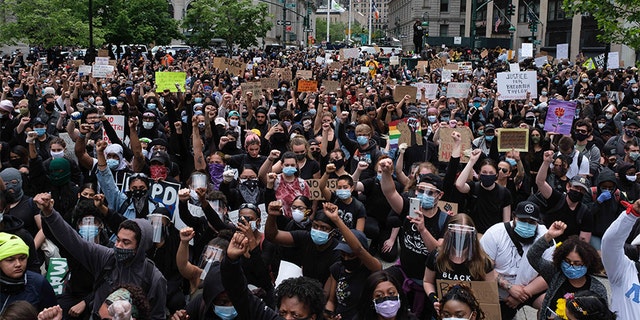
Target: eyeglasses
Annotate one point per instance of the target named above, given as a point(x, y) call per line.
point(429, 192)
point(574, 263)
point(301, 208)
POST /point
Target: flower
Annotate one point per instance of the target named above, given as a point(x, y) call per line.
point(559, 112)
point(561, 308)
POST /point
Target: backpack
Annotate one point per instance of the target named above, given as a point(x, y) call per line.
point(538, 199)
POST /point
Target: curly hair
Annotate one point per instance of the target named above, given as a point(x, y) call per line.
point(139, 300)
point(589, 255)
point(307, 290)
point(463, 293)
point(587, 305)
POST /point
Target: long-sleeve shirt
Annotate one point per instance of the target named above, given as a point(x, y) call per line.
point(622, 272)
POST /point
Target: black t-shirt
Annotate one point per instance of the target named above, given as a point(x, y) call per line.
point(487, 207)
point(315, 263)
point(26, 210)
point(238, 161)
point(565, 288)
point(348, 289)
point(578, 220)
point(349, 213)
point(376, 203)
point(459, 272)
point(309, 169)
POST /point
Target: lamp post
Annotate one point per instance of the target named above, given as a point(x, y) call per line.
point(425, 28)
point(512, 30)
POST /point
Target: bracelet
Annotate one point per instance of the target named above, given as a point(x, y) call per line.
point(432, 296)
point(82, 135)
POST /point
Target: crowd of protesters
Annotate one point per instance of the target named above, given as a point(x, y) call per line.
point(253, 167)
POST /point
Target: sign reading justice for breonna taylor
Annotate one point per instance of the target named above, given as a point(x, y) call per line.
point(515, 85)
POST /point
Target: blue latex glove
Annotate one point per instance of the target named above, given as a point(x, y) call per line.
point(604, 196)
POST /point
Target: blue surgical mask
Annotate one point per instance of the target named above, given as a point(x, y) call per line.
point(343, 194)
point(379, 177)
point(488, 138)
point(362, 140)
point(197, 100)
point(512, 162)
point(225, 313)
point(483, 99)
point(334, 108)
point(573, 272)
point(113, 164)
point(319, 237)
point(185, 119)
point(444, 119)
point(289, 171)
point(40, 131)
point(525, 229)
point(426, 202)
point(312, 112)
point(432, 119)
point(151, 106)
point(88, 232)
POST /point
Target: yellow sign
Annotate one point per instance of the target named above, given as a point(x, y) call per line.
point(168, 80)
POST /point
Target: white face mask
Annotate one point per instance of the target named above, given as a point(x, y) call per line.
point(297, 215)
point(147, 125)
point(601, 125)
point(632, 178)
point(56, 155)
point(233, 123)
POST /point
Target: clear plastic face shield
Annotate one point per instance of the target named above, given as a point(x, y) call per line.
point(459, 241)
point(157, 225)
point(217, 206)
point(198, 180)
point(210, 254)
point(89, 229)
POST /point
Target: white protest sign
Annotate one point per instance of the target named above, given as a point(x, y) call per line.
point(364, 69)
point(614, 60)
point(286, 271)
point(457, 40)
point(458, 89)
point(394, 60)
point(117, 123)
point(102, 61)
point(430, 90)
point(319, 60)
point(562, 51)
point(351, 53)
point(541, 61)
point(84, 70)
point(447, 75)
point(257, 60)
point(514, 85)
point(527, 50)
point(514, 67)
point(102, 71)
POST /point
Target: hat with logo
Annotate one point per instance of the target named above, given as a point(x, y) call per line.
point(528, 210)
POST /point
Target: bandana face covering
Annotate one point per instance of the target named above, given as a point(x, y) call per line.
point(215, 172)
point(249, 190)
point(158, 172)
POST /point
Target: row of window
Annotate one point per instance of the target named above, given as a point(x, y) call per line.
point(554, 11)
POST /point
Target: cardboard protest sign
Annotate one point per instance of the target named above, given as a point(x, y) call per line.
point(304, 74)
point(314, 188)
point(446, 143)
point(269, 83)
point(77, 63)
point(458, 89)
point(57, 274)
point(407, 130)
point(253, 87)
point(117, 123)
point(513, 138)
point(101, 71)
point(484, 53)
point(84, 70)
point(448, 207)
point(560, 116)
point(394, 61)
point(320, 60)
point(234, 66)
point(422, 66)
point(335, 65)
point(103, 53)
point(515, 85)
point(102, 61)
point(167, 80)
point(331, 85)
point(350, 53)
point(364, 69)
point(307, 86)
point(436, 64)
point(485, 291)
point(113, 63)
point(562, 51)
point(452, 66)
point(465, 67)
point(285, 73)
point(400, 91)
point(430, 90)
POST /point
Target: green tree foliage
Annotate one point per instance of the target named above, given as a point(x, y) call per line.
point(337, 30)
point(618, 20)
point(239, 22)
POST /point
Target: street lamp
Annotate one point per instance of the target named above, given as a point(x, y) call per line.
point(512, 30)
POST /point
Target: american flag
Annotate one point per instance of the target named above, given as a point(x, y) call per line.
point(498, 22)
point(376, 13)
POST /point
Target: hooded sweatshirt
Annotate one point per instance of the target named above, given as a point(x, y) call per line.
point(606, 212)
point(108, 272)
point(13, 225)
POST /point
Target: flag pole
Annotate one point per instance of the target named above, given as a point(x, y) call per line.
point(350, 17)
point(328, 18)
point(370, 13)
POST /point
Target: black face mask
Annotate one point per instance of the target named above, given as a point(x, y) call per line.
point(49, 106)
point(300, 157)
point(16, 163)
point(316, 154)
point(487, 180)
point(580, 136)
point(251, 184)
point(351, 265)
point(338, 163)
point(575, 196)
point(137, 194)
point(279, 137)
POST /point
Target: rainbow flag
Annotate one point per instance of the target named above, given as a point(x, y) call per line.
point(394, 130)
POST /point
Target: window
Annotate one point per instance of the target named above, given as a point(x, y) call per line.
point(463, 7)
point(444, 30)
point(444, 5)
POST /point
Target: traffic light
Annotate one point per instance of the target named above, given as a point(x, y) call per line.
point(533, 26)
point(511, 10)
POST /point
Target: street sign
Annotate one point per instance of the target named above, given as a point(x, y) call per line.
point(287, 23)
point(281, 22)
point(308, 30)
point(290, 5)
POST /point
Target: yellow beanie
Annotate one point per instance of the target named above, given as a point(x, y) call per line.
point(11, 245)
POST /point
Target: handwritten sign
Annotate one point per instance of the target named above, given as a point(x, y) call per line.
point(304, 74)
point(430, 90)
point(167, 80)
point(484, 53)
point(446, 143)
point(307, 86)
point(513, 138)
point(102, 61)
point(314, 188)
point(458, 89)
point(253, 87)
point(452, 66)
point(331, 85)
point(336, 65)
point(101, 71)
point(527, 50)
point(84, 70)
point(117, 123)
point(162, 192)
point(514, 67)
point(465, 67)
point(285, 73)
point(486, 292)
point(560, 116)
point(614, 60)
point(364, 69)
point(562, 51)
point(400, 91)
point(436, 64)
point(103, 53)
point(269, 83)
point(234, 66)
point(447, 76)
point(422, 66)
point(350, 53)
point(515, 85)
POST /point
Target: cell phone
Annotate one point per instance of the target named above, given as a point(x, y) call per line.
point(274, 122)
point(414, 205)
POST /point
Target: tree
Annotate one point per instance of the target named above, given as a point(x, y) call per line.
point(618, 20)
point(336, 30)
point(46, 22)
point(239, 22)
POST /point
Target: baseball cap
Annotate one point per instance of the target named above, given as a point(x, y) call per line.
point(344, 247)
point(528, 210)
point(160, 156)
point(431, 178)
point(580, 181)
